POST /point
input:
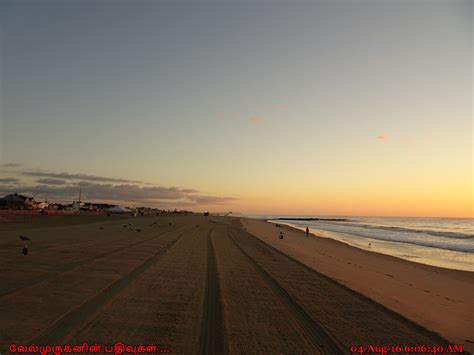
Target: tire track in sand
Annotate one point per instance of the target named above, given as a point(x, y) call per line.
point(379, 309)
point(74, 265)
point(313, 330)
point(64, 325)
point(212, 337)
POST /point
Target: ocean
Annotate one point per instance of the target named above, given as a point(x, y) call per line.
point(443, 242)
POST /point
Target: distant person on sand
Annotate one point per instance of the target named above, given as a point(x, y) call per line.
point(307, 231)
point(24, 251)
point(281, 235)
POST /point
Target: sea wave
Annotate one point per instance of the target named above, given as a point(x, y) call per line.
point(447, 240)
point(443, 234)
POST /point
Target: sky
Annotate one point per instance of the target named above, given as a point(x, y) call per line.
point(256, 107)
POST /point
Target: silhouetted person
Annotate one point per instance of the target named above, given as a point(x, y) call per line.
point(281, 235)
point(24, 251)
point(307, 231)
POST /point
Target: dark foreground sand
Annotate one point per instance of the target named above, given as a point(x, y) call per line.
point(201, 285)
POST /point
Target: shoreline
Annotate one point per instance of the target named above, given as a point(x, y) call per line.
point(434, 297)
point(390, 248)
point(93, 276)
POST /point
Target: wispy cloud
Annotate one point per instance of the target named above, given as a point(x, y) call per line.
point(11, 165)
point(213, 200)
point(382, 138)
point(68, 176)
point(9, 180)
point(189, 191)
point(50, 181)
point(256, 120)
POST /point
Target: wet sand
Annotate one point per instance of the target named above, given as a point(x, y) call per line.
point(198, 286)
point(439, 299)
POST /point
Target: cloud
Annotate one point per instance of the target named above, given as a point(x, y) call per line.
point(49, 181)
point(382, 138)
point(125, 193)
point(189, 191)
point(9, 180)
point(64, 187)
point(67, 176)
point(213, 200)
point(11, 165)
point(257, 120)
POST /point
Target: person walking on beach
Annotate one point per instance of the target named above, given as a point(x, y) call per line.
point(307, 231)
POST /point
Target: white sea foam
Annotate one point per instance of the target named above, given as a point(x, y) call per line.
point(444, 242)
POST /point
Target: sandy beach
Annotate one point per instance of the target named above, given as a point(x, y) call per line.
point(436, 298)
point(205, 285)
point(149, 149)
